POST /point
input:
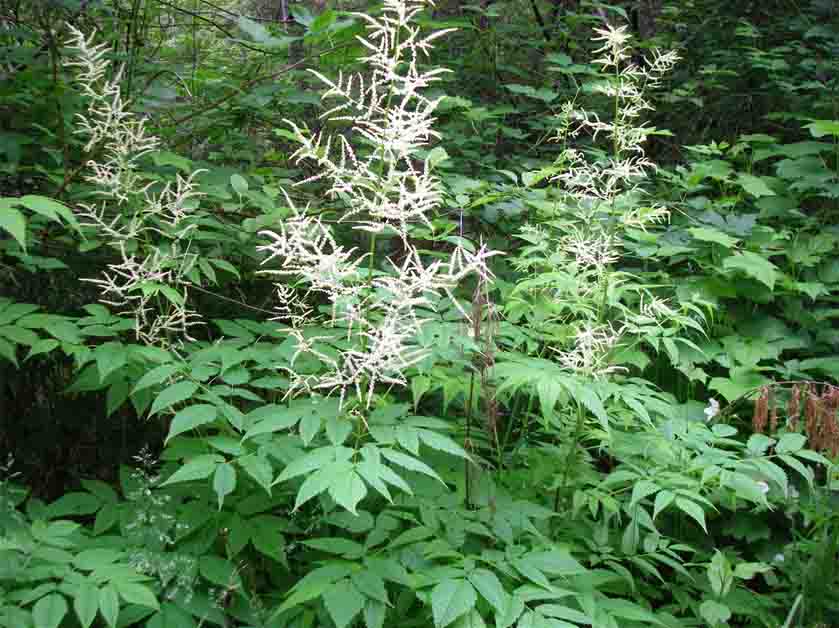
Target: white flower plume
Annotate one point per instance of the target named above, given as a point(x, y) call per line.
point(377, 314)
point(150, 231)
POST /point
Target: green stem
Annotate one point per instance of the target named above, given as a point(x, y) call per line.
point(572, 451)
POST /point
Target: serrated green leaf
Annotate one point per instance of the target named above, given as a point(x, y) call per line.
point(348, 490)
point(374, 614)
point(693, 510)
point(49, 208)
point(136, 593)
point(191, 417)
point(490, 588)
point(74, 504)
point(14, 222)
point(219, 571)
point(450, 599)
point(343, 602)
point(259, 469)
point(754, 266)
point(109, 604)
point(49, 611)
point(662, 501)
point(370, 584)
point(269, 419)
point(407, 462)
point(267, 537)
point(86, 604)
point(224, 482)
point(155, 376)
point(336, 545)
point(173, 394)
point(755, 186)
point(198, 468)
point(709, 234)
point(790, 443)
point(715, 613)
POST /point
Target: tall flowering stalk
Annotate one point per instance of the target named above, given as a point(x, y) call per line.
point(598, 196)
point(150, 230)
point(385, 191)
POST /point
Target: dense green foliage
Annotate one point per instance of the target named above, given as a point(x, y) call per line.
point(515, 314)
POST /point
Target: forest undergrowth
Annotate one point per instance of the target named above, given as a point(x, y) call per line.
point(428, 316)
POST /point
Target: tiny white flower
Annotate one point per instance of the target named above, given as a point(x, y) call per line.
point(763, 486)
point(712, 410)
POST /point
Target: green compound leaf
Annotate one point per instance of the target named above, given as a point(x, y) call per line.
point(450, 599)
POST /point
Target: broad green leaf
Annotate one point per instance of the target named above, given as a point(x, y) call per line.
point(96, 558)
point(564, 612)
point(13, 222)
point(173, 394)
point(259, 469)
point(267, 536)
point(269, 419)
point(374, 614)
point(42, 346)
point(191, 417)
point(747, 571)
point(343, 602)
point(338, 429)
point(641, 490)
point(336, 545)
point(407, 462)
point(135, 593)
point(196, 469)
point(715, 613)
point(693, 510)
point(662, 501)
point(441, 442)
point(109, 604)
point(49, 208)
point(490, 588)
point(370, 584)
point(754, 185)
point(219, 571)
point(709, 234)
point(109, 357)
point(314, 583)
point(49, 611)
point(19, 335)
point(790, 443)
point(450, 599)
point(738, 384)
point(308, 463)
point(155, 376)
point(820, 128)
point(753, 265)
point(86, 604)
point(310, 425)
point(224, 482)
point(74, 504)
point(238, 182)
point(348, 490)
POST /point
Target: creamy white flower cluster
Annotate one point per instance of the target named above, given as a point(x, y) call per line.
point(390, 187)
point(608, 186)
point(149, 230)
point(601, 183)
point(386, 191)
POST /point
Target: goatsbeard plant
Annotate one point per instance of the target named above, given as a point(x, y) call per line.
point(151, 229)
point(379, 305)
point(582, 307)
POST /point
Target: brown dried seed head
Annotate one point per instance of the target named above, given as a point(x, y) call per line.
point(812, 416)
point(794, 408)
point(761, 413)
